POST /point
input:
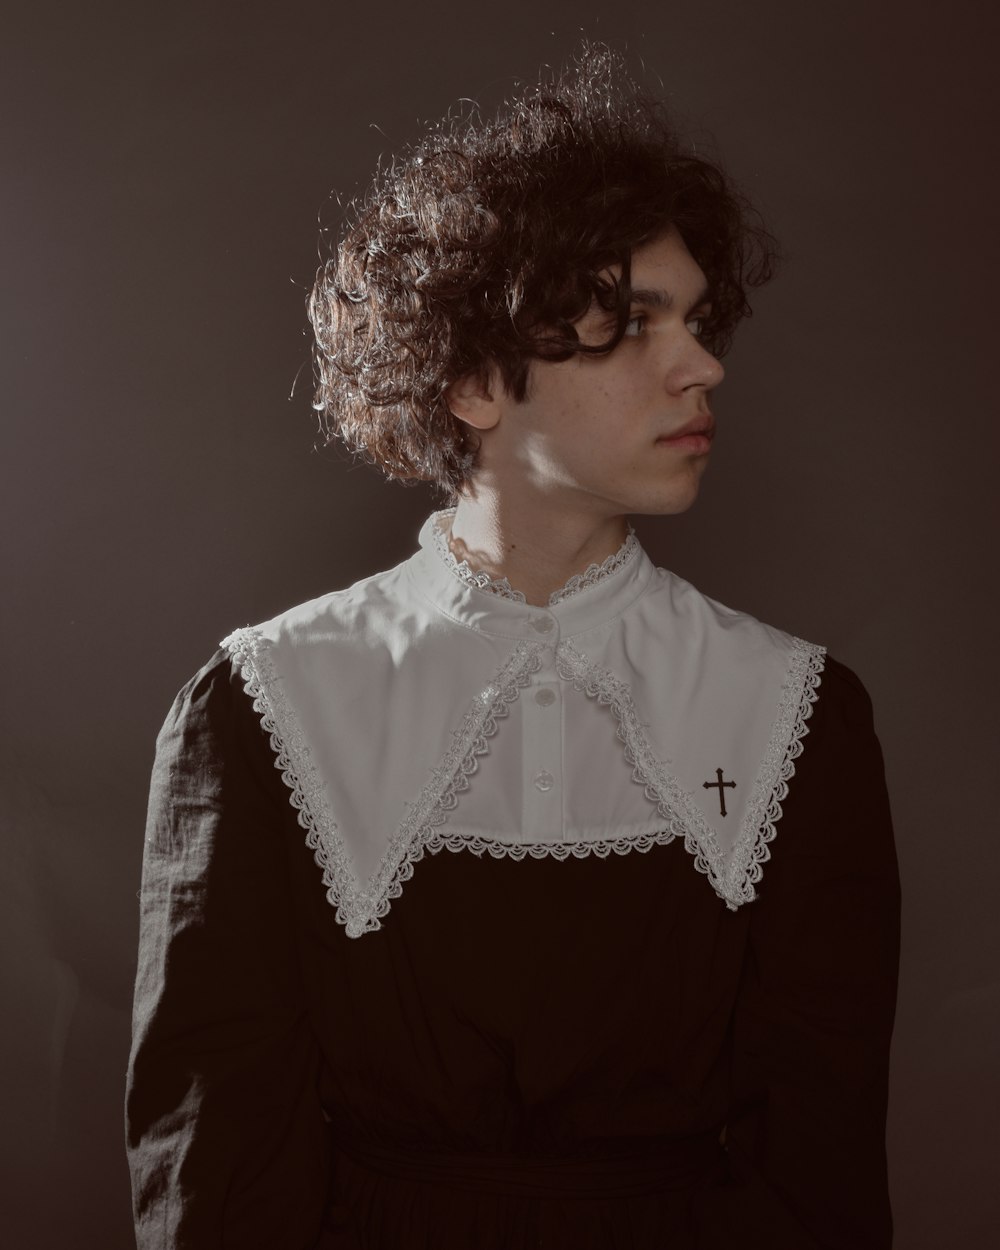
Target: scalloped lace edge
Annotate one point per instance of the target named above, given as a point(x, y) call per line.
point(360, 910)
point(799, 692)
point(732, 875)
point(293, 758)
point(590, 576)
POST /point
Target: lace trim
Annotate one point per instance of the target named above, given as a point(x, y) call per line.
point(799, 692)
point(733, 876)
point(361, 911)
point(440, 794)
point(593, 574)
point(675, 805)
point(733, 883)
point(556, 850)
point(249, 648)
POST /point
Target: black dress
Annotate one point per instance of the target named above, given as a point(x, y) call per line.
point(527, 1054)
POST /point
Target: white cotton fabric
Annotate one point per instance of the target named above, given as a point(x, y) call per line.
point(430, 707)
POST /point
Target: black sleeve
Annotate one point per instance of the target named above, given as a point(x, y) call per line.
point(226, 1138)
point(814, 1014)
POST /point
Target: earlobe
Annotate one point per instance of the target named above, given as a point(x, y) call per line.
point(470, 399)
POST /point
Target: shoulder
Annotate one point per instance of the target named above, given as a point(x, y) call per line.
point(213, 756)
point(844, 701)
point(207, 693)
point(842, 765)
point(836, 702)
point(684, 600)
point(357, 615)
point(212, 719)
point(842, 690)
point(712, 631)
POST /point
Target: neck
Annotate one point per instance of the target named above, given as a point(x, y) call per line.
point(536, 549)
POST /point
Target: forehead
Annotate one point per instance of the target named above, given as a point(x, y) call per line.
point(664, 263)
point(664, 274)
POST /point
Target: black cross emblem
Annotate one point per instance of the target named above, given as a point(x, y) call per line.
point(711, 785)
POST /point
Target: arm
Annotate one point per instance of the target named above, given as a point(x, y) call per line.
point(226, 1137)
point(816, 1003)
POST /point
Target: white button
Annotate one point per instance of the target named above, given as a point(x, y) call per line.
point(542, 623)
point(544, 780)
point(545, 696)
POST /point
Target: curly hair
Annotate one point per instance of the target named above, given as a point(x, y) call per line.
point(485, 242)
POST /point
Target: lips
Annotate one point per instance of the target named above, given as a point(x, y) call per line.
point(702, 424)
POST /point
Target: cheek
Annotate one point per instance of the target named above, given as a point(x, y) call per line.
point(609, 385)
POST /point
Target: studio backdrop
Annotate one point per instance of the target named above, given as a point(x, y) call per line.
point(166, 171)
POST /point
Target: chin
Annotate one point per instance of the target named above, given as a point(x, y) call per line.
point(660, 503)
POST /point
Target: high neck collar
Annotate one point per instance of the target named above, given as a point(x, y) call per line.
point(593, 574)
point(492, 605)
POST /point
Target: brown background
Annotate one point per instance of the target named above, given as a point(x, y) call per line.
point(164, 167)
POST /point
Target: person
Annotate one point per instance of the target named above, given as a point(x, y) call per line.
point(521, 895)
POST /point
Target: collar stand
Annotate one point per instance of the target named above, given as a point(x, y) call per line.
point(490, 604)
point(593, 574)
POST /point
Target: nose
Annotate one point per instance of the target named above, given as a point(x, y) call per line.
point(712, 368)
point(696, 367)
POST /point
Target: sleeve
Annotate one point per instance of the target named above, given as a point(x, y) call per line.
point(816, 1002)
point(226, 1137)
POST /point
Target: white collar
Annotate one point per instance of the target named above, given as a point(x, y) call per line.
point(415, 712)
point(490, 605)
point(438, 529)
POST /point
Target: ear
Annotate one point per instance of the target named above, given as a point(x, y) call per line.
point(473, 399)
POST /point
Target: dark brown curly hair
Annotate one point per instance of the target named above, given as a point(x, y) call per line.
point(486, 241)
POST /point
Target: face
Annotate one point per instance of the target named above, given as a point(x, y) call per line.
point(590, 434)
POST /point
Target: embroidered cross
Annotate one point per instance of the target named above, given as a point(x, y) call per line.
point(711, 785)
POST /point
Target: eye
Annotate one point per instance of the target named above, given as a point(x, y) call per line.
point(696, 325)
point(635, 326)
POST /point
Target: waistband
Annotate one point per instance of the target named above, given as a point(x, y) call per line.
point(675, 1164)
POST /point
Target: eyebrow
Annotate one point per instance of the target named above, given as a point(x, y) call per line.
point(647, 297)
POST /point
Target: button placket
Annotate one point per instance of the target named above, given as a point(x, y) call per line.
point(542, 759)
